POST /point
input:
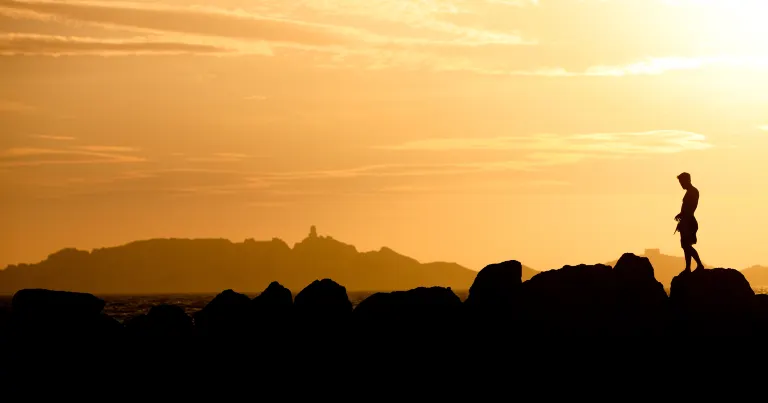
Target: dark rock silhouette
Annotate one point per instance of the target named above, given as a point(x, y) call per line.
point(322, 310)
point(59, 315)
point(5, 319)
point(665, 267)
point(227, 315)
point(641, 300)
point(497, 286)
point(613, 316)
point(715, 301)
point(574, 300)
point(162, 322)
point(761, 316)
point(274, 302)
point(323, 299)
point(420, 307)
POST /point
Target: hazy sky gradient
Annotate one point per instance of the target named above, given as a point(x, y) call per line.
point(472, 131)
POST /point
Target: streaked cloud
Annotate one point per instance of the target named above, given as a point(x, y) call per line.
point(763, 128)
point(33, 44)
point(659, 141)
point(107, 149)
point(220, 157)
point(54, 138)
point(188, 20)
point(31, 156)
point(269, 23)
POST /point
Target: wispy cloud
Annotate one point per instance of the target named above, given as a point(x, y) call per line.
point(272, 24)
point(220, 157)
point(763, 128)
point(107, 149)
point(188, 20)
point(31, 156)
point(54, 138)
point(659, 141)
point(33, 44)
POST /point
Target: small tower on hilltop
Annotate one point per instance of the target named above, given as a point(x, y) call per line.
point(312, 232)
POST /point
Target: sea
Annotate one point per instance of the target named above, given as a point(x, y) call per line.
point(123, 307)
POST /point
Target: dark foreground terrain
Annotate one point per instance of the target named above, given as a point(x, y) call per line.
point(575, 323)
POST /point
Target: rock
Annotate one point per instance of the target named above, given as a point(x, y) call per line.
point(712, 292)
point(272, 312)
point(228, 314)
point(571, 300)
point(48, 303)
point(5, 319)
point(45, 314)
point(323, 299)
point(418, 307)
point(165, 322)
point(496, 287)
point(642, 301)
point(761, 316)
point(719, 300)
point(633, 269)
point(274, 300)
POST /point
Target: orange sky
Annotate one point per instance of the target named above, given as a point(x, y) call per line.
point(472, 131)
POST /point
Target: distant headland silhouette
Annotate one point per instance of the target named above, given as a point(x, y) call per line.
point(159, 266)
point(210, 265)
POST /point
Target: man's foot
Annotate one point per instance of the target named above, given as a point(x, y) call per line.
point(699, 268)
point(687, 270)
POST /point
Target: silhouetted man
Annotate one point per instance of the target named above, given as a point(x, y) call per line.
point(687, 224)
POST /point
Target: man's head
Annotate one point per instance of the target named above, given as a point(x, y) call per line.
point(685, 180)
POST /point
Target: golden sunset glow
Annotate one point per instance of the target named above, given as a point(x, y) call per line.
point(468, 131)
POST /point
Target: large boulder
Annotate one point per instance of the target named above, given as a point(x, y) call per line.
point(713, 300)
point(228, 314)
point(5, 319)
point(272, 312)
point(576, 300)
point(274, 302)
point(40, 303)
point(496, 286)
point(50, 315)
point(418, 307)
point(761, 316)
point(641, 299)
point(323, 300)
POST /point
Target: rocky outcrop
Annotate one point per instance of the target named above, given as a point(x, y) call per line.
point(420, 307)
point(273, 302)
point(497, 286)
point(761, 316)
point(717, 301)
point(641, 300)
point(556, 307)
point(571, 300)
point(227, 315)
point(323, 299)
point(38, 314)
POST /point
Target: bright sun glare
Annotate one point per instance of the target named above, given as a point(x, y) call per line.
point(737, 27)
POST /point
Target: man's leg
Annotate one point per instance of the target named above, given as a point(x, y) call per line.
point(687, 250)
point(695, 256)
